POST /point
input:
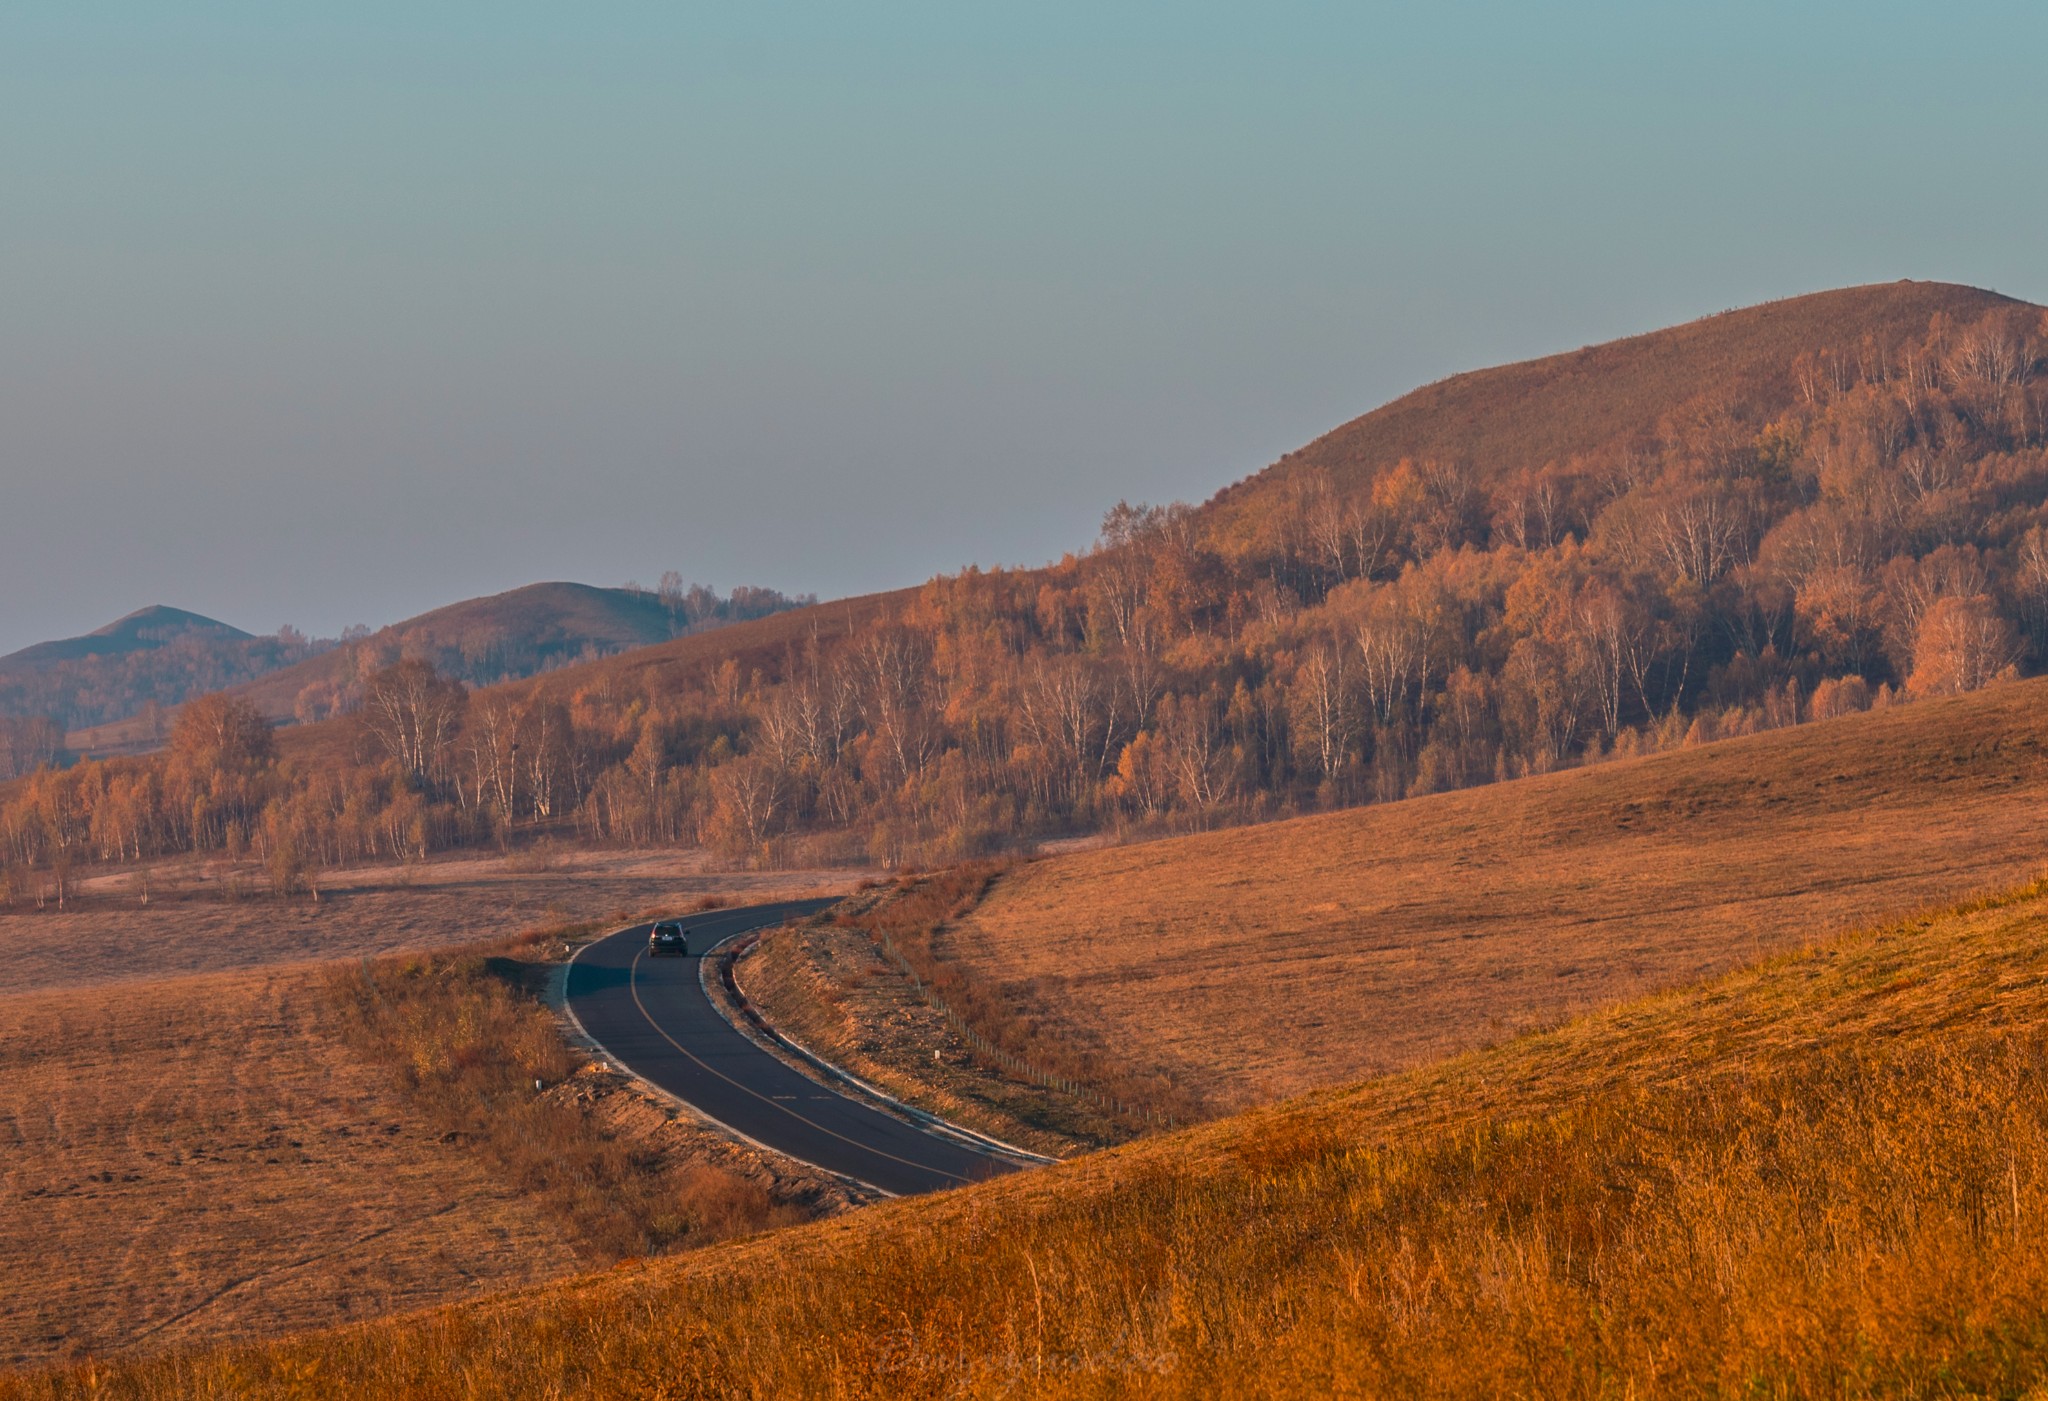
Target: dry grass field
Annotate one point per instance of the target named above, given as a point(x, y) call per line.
point(1255, 963)
point(198, 1140)
point(1816, 1177)
point(190, 924)
point(204, 1157)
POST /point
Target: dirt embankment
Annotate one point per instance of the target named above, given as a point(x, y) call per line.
point(827, 986)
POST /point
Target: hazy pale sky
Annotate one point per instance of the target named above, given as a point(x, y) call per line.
point(332, 314)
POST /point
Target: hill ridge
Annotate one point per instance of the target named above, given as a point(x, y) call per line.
point(1763, 339)
point(141, 630)
point(525, 630)
point(510, 634)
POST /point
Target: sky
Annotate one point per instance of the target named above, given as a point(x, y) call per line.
point(330, 314)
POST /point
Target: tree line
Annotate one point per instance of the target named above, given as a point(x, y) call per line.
point(1882, 537)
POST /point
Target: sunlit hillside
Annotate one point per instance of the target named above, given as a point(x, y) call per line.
point(1767, 517)
point(1247, 964)
point(1513, 419)
point(1818, 1177)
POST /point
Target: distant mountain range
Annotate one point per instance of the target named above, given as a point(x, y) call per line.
point(111, 690)
point(154, 658)
point(505, 637)
point(146, 629)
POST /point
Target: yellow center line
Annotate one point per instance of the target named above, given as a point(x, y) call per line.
point(633, 983)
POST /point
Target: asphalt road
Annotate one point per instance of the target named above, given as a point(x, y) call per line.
point(653, 1017)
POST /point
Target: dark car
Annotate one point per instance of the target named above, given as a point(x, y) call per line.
point(668, 938)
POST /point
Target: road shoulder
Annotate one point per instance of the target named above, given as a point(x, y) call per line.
point(829, 989)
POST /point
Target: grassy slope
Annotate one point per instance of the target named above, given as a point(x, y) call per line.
point(827, 984)
point(195, 1144)
point(1264, 961)
point(1814, 1177)
point(1537, 411)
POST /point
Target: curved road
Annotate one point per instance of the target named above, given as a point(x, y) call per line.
point(653, 1017)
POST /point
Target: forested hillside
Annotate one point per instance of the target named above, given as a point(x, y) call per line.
point(511, 635)
point(1806, 508)
point(479, 641)
point(1514, 419)
point(134, 667)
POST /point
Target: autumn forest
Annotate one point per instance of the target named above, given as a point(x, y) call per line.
point(1869, 529)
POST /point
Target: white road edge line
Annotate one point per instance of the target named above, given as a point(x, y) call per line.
point(569, 1008)
point(772, 1101)
point(920, 1118)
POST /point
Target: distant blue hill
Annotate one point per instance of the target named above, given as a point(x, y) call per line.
point(144, 630)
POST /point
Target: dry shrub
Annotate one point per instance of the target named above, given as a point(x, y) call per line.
point(723, 1204)
point(536, 858)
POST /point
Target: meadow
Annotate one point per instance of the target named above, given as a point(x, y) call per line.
point(1245, 965)
point(206, 1157)
point(1817, 1176)
point(153, 920)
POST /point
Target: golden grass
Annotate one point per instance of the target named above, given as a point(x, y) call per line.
point(1822, 1176)
point(204, 1157)
point(1256, 963)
